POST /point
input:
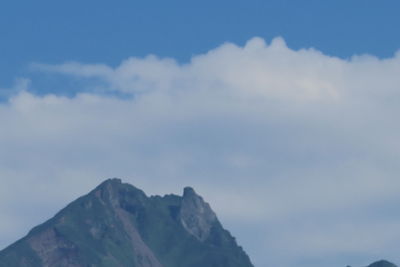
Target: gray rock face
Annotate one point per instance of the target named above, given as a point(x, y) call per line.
point(53, 250)
point(143, 256)
point(196, 215)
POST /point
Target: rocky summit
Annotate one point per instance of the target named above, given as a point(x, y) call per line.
point(118, 225)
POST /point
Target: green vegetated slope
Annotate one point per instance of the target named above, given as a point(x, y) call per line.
point(118, 225)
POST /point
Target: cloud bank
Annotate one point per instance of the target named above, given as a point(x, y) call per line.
point(297, 151)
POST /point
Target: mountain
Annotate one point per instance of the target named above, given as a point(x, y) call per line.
point(382, 263)
point(116, 224)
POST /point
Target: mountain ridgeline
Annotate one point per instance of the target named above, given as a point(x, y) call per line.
point(118, 225)
point(381, 263)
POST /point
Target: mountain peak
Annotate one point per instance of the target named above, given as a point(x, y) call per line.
point(109, 184)
point(196, 215)
point(115, 192)
point(382, 263)
point(113, 181)
point(188, 191)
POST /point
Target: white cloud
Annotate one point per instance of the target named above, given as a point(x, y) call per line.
point(270, 136)
point(20, 84)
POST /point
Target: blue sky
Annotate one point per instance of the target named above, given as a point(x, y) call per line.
point(108, 32)
point(282, 114)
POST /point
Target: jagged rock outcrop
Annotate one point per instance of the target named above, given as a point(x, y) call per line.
point(196, 215)
point(118, 225)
